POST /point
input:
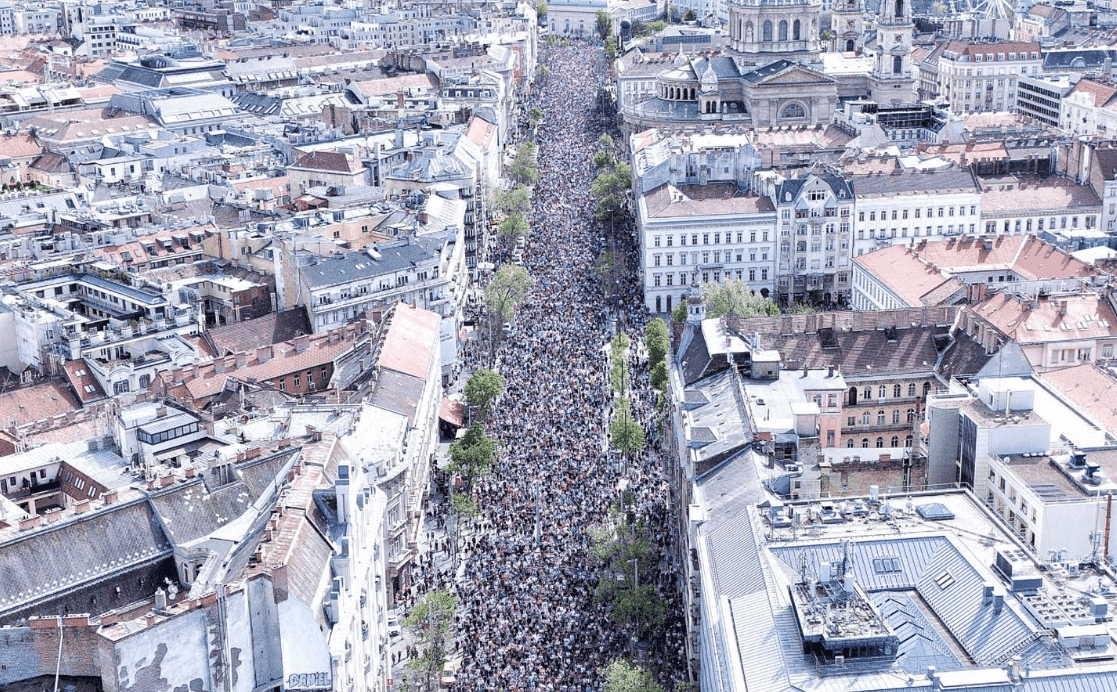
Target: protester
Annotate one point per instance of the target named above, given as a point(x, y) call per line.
point(527, 619)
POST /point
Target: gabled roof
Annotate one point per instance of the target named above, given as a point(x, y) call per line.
point(273, 328)
point(411, 342)
point(331, 161)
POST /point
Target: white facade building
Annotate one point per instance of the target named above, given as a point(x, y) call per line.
point(907, 205)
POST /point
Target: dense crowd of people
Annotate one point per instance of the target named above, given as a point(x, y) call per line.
point(527, 618)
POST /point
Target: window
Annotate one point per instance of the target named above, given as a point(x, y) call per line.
point(896, 417)
point(864, 443)
point(793, 111)
point(880, 443)
point(868, 393)
point(911, 389)
point(886, 565)
point(880, 417)
point(896, 391)
point(296, 381)
point(882, 392)
point(895, 441)
point(851, 421)
point(783, 29)
point(767, 31)
point(866, 419)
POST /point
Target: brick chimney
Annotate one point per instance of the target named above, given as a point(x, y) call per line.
point(301, 343)
point(264, 353)
point(110, 497)
point(30, 522)
point(81, 507)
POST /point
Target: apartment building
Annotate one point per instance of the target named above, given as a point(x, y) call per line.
point(983, 77)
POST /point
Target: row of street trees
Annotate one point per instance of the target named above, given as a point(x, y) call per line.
point(432, 620)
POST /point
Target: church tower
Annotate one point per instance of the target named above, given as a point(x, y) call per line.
point(763, 31)
point(893, 78)
point(847, 26)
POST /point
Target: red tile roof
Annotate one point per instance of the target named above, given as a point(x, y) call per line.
point(412, 340)
point(84, 383)
point(37, 402)
point(333, 161)
point(1090, 389)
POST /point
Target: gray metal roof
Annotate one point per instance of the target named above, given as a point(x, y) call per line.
point(168, 423)
point(358, 266)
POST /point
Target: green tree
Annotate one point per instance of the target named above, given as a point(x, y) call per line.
point(611, 48)
point(609, 188)
point(628, 562)
point(524, 169)
point(733, 297)
point(800, 308)
point(604, 159)
point(659, 376)
point(513, 227)
point(507, 291)
point(655, 340)
point(625, 433)
point(689, 16)
point(430, 620)
point(605, 141)
point(678, 315)
point(464, 509)
point(473, 455)
point(541, 8)
point(625, 676)
point(652, 28)
point(482, 388)
point(536, 116)
point(516, 200)
point(603, 25)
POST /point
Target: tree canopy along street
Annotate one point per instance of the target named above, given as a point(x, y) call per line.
point(533, 611)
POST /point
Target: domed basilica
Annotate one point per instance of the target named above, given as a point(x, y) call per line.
point(772, 72)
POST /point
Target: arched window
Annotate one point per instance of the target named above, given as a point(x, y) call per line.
point(896, 391)
point(866, 419)
point(849, 443)
point(801, 246)
point(880, 417)
point(911, 415)
point(767, 32)
point(897, 64)
point(567, 26)
point(880, 443)
point(868, 393)
point(852, 399)
point(850, 46)
point(895, 441)
point(899, 8)
point(795, 30)
point(793, 111)
point(926, 388)
point(896, 416)
point(882, 392)
point(911, 389)
point(783, 29)
point(907, 441)
point(865, 442)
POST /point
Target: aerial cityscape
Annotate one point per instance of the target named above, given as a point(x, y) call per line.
point(558, 346)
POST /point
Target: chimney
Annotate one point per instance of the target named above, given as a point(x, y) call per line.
point(933, 676)
point(264, 353)
point(110, 497)
point(81, 507)
point(831, 372)
point(160, 599)
point(987, 595)
point(301, 342)
point(242, 361)
point(219, 365)
point(160, 411)
point(30, 522)
point(998, 603)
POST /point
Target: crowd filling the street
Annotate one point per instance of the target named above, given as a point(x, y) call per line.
point(529, 614)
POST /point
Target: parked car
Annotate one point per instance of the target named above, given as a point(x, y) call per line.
point(394, 629)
